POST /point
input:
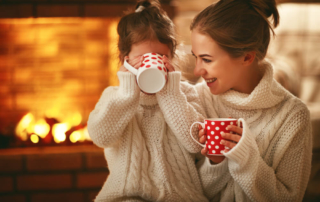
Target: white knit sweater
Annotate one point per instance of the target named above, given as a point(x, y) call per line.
point(272, 161)
point(146, 141)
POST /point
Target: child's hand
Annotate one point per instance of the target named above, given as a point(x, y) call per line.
point(204, 151)
point(135, 62)
point(231, 139)
point(167, 64)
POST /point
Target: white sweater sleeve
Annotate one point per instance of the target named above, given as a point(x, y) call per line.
point(214, 177)
point(287, 180)
point(181, 107)
point(115, 108)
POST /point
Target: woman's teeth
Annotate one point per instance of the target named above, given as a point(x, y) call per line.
point(211, 80)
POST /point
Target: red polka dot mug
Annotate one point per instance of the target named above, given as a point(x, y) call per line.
point(152, 74)
point(214, 128)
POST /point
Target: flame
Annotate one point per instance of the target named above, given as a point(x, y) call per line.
point(80, 135)
point(34, 138)
point(25, 126)
point(41, 128)
point(59, 132)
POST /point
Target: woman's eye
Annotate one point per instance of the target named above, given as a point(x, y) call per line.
point(206, 60)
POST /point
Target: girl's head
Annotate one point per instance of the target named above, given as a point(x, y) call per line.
point(148, 28)
point(239, 26)
point(228, 39)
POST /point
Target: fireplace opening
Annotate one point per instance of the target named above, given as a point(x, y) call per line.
point(52, 73)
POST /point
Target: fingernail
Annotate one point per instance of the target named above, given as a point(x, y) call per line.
point(228, 127)
point(223, 134)
point(222, 142)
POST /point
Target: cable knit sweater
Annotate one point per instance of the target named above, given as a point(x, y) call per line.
point(146, 141)
point(272, 161)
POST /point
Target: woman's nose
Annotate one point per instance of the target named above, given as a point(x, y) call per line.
point(199, 70)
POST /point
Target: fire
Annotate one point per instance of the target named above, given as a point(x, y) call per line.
point(59, 132)
point(30, 128)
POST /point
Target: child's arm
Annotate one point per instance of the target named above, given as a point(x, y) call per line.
point(181, 107)
point(114, 110)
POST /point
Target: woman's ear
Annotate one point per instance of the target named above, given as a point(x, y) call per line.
point(249, 58)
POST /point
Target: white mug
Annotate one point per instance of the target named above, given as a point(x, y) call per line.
point(151, 75)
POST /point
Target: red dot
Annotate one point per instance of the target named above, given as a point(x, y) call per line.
point(153, 53)
point(154, 58)
point(148, 66)
point(142, 65)
point(147, 61)
point(164, 69)
point(159, 68)
point(154, 63)
point(146, 56)
point(159, 61)
point(159, 57)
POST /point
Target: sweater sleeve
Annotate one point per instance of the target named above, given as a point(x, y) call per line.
point(181, 107)
point(115, 108)
point(214, 177)
point(287, 179)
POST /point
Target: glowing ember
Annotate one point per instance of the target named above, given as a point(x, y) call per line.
point(41, 128)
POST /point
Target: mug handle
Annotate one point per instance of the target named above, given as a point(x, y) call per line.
point(202, 124)
point(130, 68)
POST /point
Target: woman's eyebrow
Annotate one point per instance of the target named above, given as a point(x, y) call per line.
point(202, 55)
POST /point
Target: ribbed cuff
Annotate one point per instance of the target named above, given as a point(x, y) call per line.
point(241, 152)
point(128, 84)
point(173, 84)
point(215, 169)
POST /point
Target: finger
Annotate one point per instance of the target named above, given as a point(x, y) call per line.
point(232, 137)
point(199, 127)
point(201, 132)
point(203, 139)
point(167, 64)
point(228, 143)
point(235, 129)
point(204, 151)
point(225, 151)
point(136, 61)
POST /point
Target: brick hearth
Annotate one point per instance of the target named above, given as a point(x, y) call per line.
point(74, 173)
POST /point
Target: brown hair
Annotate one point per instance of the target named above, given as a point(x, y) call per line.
point(152, 23)
point(239, 26)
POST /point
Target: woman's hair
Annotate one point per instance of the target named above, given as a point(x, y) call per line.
point(147, 22)
point(239, 26)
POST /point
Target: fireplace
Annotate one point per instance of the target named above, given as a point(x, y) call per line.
point(53, 71)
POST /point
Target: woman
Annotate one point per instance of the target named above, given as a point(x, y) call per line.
point(269, 157)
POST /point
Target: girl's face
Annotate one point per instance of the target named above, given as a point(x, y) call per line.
point(149, 46)
point(214, 65)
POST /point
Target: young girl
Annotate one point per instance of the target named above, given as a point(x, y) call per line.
point(145, 137)
point(269, 158)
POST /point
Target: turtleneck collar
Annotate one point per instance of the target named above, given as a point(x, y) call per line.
point(148, 100)
point(266, 94)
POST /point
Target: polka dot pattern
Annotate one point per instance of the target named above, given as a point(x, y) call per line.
point(214, 135)
point(154, 59)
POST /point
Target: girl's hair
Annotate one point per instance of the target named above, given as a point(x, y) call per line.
point(239, 26)
point(147, 22)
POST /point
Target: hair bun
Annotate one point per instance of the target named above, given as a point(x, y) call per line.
point(266, 8)
point(147, 3)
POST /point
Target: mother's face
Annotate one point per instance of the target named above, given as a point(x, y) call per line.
point(220, 71)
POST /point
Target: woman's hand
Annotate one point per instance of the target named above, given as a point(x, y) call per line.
point(231, 139)
point(167, 64)
point(134, 62)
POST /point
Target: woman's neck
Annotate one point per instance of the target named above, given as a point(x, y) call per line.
point(250, 78)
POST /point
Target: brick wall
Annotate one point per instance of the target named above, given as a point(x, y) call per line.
point(54, 65)
point(61, 174)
